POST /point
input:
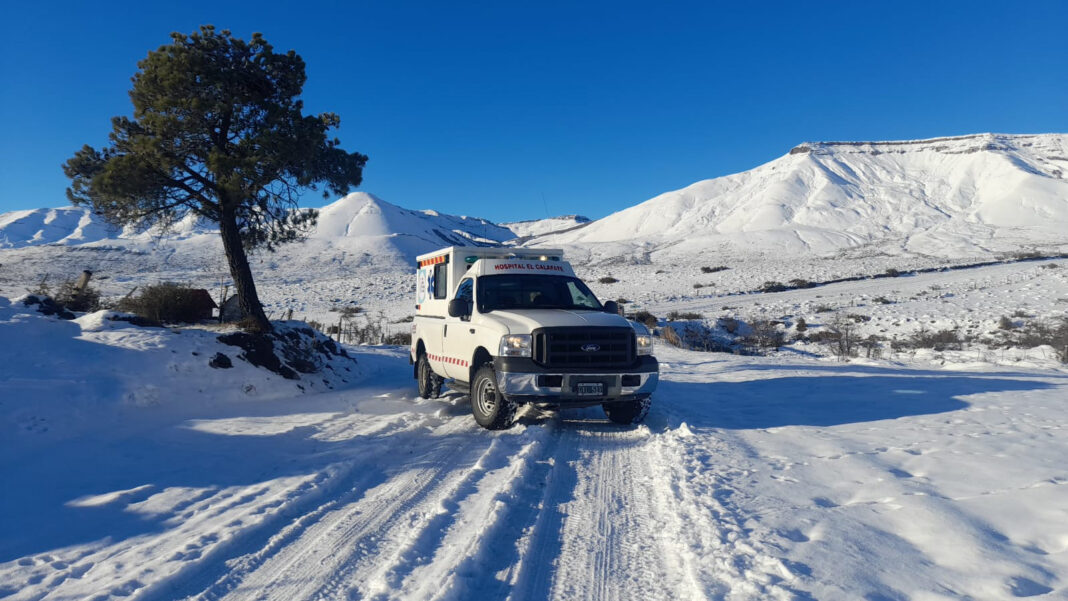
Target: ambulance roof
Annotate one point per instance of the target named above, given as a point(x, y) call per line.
point(493, 252)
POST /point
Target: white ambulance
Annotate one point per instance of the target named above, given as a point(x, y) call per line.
point(513, 326)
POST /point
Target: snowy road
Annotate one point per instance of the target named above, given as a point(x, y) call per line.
point(753, 479)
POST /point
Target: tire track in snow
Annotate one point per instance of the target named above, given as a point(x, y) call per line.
point(610, 541)
point(312, 561)
point(470, 550)
point(221, 568)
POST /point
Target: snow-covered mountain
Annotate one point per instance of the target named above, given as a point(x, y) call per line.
point(540, 227)
point(359, 222)
point(362, 222)
point(944, 197)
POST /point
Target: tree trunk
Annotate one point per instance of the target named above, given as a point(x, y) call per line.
point(244, 286)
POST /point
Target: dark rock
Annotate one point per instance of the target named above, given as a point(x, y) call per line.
point(47, 306)
point(221, 361)
point(137, 320)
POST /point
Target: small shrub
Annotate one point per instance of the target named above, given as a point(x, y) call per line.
point(771, 286)
point(858, 318)
point(823, 309)
point(1020, 313)
point(942, 340)
point(676, 315)
point(1050, 266)
point(698, 285)
point(644, 317)
point(399, 339)
point(730, 324)
point(764, 334)
point(608, 280)
point(168, 302)
point(69, 296)
point(1004, 323)
point(670, 336)
point(801, 325)
point(840, 337)
point(622, 301)
point(406, 319)
point(714, 269)
point(882, 300)
point(799, 283)
point(873, 347)
point(892, 273)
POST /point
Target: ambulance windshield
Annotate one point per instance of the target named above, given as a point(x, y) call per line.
point(522, 291)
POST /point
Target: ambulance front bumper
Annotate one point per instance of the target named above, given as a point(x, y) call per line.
point(524, 380)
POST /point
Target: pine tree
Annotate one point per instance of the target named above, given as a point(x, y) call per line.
point(218, 130)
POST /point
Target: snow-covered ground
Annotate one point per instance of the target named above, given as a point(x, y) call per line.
point(133, 470)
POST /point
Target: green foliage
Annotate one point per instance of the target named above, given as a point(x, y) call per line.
point(217, 130)
point(217, 126)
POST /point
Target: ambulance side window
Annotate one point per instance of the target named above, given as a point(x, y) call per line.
point(441, 280)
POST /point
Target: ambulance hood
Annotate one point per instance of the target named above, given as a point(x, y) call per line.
point(523, 321)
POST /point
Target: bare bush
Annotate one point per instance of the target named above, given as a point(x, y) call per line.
point(608, 280)
point(685, 315)
point(168, 302)
point(644, 317)
point(764, 334)
point(941, 340)
point(78, 299)
point(730, 324)
point(840, 336)
point(714, 269)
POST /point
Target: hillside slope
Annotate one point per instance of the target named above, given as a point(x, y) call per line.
point(946, 197)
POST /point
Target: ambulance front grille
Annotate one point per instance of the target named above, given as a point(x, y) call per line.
point(584, 347)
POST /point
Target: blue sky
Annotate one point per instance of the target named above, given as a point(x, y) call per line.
point(510, 110)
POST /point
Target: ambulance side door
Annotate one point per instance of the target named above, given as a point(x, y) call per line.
point(458, 340)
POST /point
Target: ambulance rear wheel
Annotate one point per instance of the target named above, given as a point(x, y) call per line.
point(429, 382)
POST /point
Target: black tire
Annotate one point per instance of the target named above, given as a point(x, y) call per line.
point(627, 412)
point(492, 410)
point(429, 382)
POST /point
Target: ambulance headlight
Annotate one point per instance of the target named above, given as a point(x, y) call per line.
point(515, 345)
point(645, 344)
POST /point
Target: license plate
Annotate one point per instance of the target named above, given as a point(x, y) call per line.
point(589, 388)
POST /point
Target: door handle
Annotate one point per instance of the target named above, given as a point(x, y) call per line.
point(472, 330)
point(445, 331)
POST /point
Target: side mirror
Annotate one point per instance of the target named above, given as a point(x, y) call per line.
point(611, 307)
point(459, 307)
